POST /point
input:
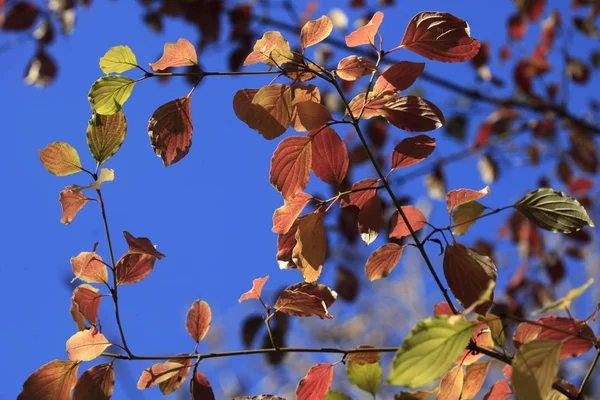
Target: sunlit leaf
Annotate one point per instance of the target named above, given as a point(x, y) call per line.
point(284, 216)
point(413, 114)
point(366, 376)
point(534, 369)
point(311, 246)
point(353, 67)
point(118, 59)
point(565, 302)
point(362, 191)
point(54, 380)
point(383, 261)
point(179, 54)
point(398, 77)
point(499, 391)
point(329, 156)
point(254, 293)
point(97, 383)
point(173, 383)
point(465, 216)
point(198, 319)
point(86, 345)
point(316, 383)
point(108, 94)
point(365, 34)
point(71, 202)
point(87, 299)
point(459, 197)
point(451, 384)
point(158, 373)
point(399, 228)
point(105, 135)
point(170, 129)
point(272, 49)
point(412, 150)
point(271, 111)
point(290, 165)
point(315, 31)
point(60, 159)
point(305, 300)
point(474, 378)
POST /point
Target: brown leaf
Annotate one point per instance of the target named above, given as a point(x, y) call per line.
point(170, 130)
point(451, 384)
point(97, 383)
point(173, 383)
point(54, 380)
point(254, 293)
point(365, 34)
point(312, 115)
point(583, 150)
point(383, 261)
point(415, 218)
point(271, 112)
point(329, 156)
point(315, 31)
point(60, 159)
point(413, 114)
point(197, 320)
point(132, 268)
point(142, 245)
point(474, 378)
point(364, 358)
point(398, 77)
point(305, 300)
point(272, 49)
point(20, 16)
point(440, 36)
point(87, 299)
point(458, 197)
point(86, 345)
point(200, 388)
point(285, 246)
point(77, 316)
point(301, 94)
point(242, 103)
point(290, 165)
point(362, 191)
point(412, 150)
point(370, 220)
point(284, 216)
point(311, 246)
point(353, 67)
point(71, 201)
point(468, 275)
point(180, 54)
point(158, 373)
point(346, 284)
point(316, 383)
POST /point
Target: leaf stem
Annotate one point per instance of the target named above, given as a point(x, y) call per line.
point(588, 374)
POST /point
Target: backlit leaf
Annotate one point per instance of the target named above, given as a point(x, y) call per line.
point(271, 111)
point(290, 165)
point(458, 197)
point(108, 94)
point(412, 150)
point(365, 34)
point(353, 67)
point(86, 345)
point(451, 384)
point(311, 246)
point(312, 115)
point(366, 376)
point(329, 156)
point(565, 302)
point(413, 114)
point(179, 54)
point(306, 300)
point(200, 388)
point(105, 135)
point(415, 217)
point(370, 220)
point(362, 191)
point(284, 216)
point(77, 316)
point(315, 31)
point(173, 383)
point(373, 105)
point(383, 261)
point(137, 263)
point(474, 378)
point(316, 383)
point(429, 351)
point(197, 320)
point(170, 130)
point(465, 216)
point(285, 246)
point(54, 380)
point(301, 94)
point(60, 159)
point(499, 391)
point(141, 245)
point(71, 202)
point(554, 211)
point(254, 293)
point(97, 383)
point(272, 49)
point(106, 175)
point(158, 373)
point(534, 369)
point(398, 77)
point(118, 59)
point(440, 36)
point(87, 299)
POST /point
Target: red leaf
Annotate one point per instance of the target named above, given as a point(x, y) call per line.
point(71, 201)
point(412, 150)
point(415, 218)
point(254, 293)
point(132, 268)
point(20, 16)
point(398, 77)
point(315, 31)
point(316, 383)
point(370, 220)
point(197, 320)
point(200, 388)
point(284, 216)
point(451, 384)
point(499, 391)
point(353, 67)
point(170, 130)
point(365, 34)
point(180, 54)
point(482, 338)
point(88, 299)
point(305, 300)
point(458, 197)
point(301, 94)
point(97, 383)
point(329, 156)
point(158, 373)
point(474, 378)
point(413, 114)
point(373, 105)
point(54, 380)
point(312, 115)
point(383, 260)
point(517, 26)
point(362, 191)
point(440, 36)
point(290, 165)
point(442, 308)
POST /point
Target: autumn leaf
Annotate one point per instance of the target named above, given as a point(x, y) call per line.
point(170, 130)
point(54, 380)
point(141, 245)
point(290, 165)
point(87, 299)
point(398, 77)
point(370, 220)
point(412, 150)
point(373, 105)
point(534, 369)
point(60, 159)
point(312, 115)
point(137, 263)
point(284, 216)
point(179, 54)
point(118, 59)
point(200, 388)
point(96, 383)
point(158, 373)
point(105, 134)
point(474, 378)
point(86, 345)
point(89, 267)
point(301, 94)
point(451, 384)
point(459, 197)
point(316, 383)
point(315, 31)
point(329, 156)
point(173, 383)
point(365, 34)
point(77, 316)
point(305, 300)
point(71, 201)
point(272, 49)
point(465, 216)
point(254, 293)
point(271, 111)
point(353, 67)
point(499, 391)
point(242, 103)
point(383, 261)
point(413, 114)
point(197, 320)
point(361, 192)
point(311, 246)
point(415, 217)
point(285, 246)
point(108, 94)
point(440, 36)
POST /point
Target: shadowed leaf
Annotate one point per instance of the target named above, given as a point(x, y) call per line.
point(370, 220)
point(54, 380)
point(170, 130)
point(179, 54)
point(312, 115)
point(412, 150)
point(87, 299)
point(97, 383)
point(465, 216)
point(459, 197)
point(173, 383)
point(311, 246)
point(200, 388)
point(413, 114)
point(398, 77)
point(306, 300)
point(20, 16)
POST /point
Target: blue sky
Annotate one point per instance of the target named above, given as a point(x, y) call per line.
point(210, 214)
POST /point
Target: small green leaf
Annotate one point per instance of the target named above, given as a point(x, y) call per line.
point(429, 351)
point(118, 59)
point(534, 369)
point(366, 376)
point(465, 216)
point(333, 395)
point(554, 211)
point(105, 135)
point(108, 94)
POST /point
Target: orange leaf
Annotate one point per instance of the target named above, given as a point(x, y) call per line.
point(412, 150)
point(306, 300)
point(271, 111)
point(499, 391)
point(374, 105)
point(86, 345)
point(290, 165)
point(60, 159)
point(284, 216)
point(315, 31)
point(353, 67)
point(198, 320)
point(96, 383)
point(362, 191)
point(254, 293)
point(272, 49)
point(458, 197)
point(440, 36)
point(316, 383)
point(170, 130)
point(474, 378)
point(398, 77)
point(312, 115)
point(311, 246)
point(77, 316)
point(370, 219)
point(158, 373)
point(180, 54)
point(415, 218)
point(302, 94)
point(87, 299)
point(383, 261)
point(329, 156)
point(89, 267)
point(173, 383)
point(54, 380)
point(71, 201)
point(413, 114)
point(365, 34)
point(200, 388)
point(451, 384)
point(482, 337)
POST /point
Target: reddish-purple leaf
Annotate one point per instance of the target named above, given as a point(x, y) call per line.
point(383, 260)
point(316, 383)
point(200, 388)
point(170, 130)
point(362, 191)
point(254, 293)
point(517, 26)
point(20, 16)
point(398, 77)
point(71, 201)
point(413, 114)
point(415, 218)
point(353, 67)
point(370, 219)
point(158, 373)
point(180, 54)
point(197, 320)
point(329, 156)
point(315, 31)
point(284, 216)
point(305, 300)
point(97, 383)
point(412, 150)
point(365, 34)
point(86, 345)
point(458, 197)
point(440, 36)
point(474, 378)
point(173, 383)
point(290, 165)
point(88, 299)
point(54, 380)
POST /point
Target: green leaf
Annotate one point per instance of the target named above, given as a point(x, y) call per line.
point(105, 135)
point(118, 59)
point(565, 302)
point(554, 211)
point(60, 159)
point(366, 376)
point(108, 94)
point(333, 395)
point(429, 351)
point(534, 369)
point(465, 215)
